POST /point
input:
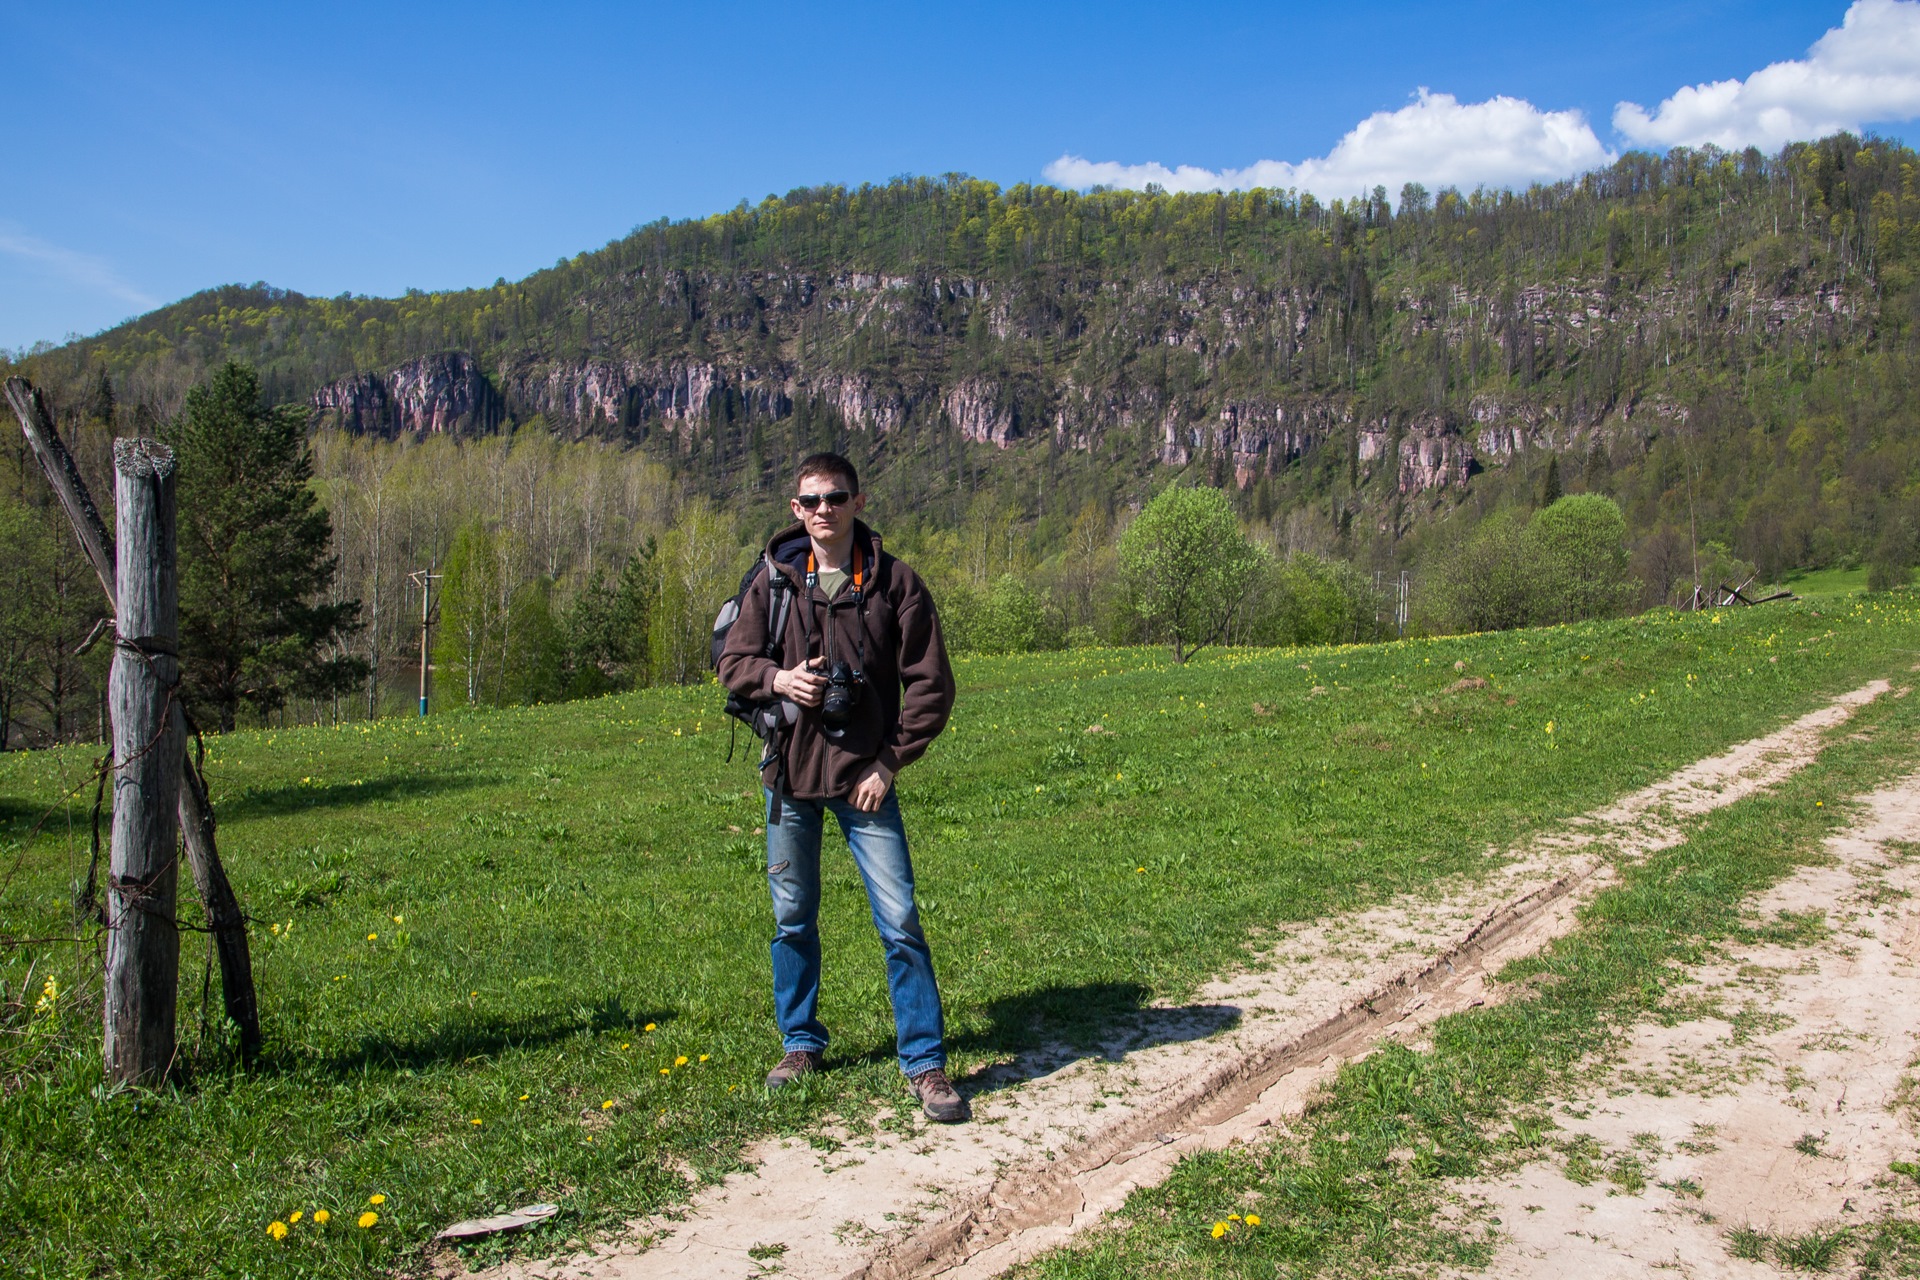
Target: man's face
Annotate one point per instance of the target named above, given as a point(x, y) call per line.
point(827, 521)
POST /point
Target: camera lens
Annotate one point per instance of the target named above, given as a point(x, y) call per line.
point(842, 695)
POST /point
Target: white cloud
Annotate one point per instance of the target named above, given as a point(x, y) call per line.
point(1864, 71)
point(79, 270)
point(1435, 140)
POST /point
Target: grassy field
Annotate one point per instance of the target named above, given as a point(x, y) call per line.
point(1359, 1188)
point(521, 955)
point(1818, 583)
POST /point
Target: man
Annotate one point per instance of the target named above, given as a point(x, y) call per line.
point(866, 685)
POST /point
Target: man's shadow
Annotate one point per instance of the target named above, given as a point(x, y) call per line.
point(1050, 1028)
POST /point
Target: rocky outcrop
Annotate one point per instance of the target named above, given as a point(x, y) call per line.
point(980, 412)
point(442, 394)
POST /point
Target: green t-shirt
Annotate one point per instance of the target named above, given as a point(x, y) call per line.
point(831, 580)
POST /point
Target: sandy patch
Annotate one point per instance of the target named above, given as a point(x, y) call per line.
point(1813, 1047)
point(1061, 1138)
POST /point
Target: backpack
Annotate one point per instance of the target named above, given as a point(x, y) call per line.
point(765, 716)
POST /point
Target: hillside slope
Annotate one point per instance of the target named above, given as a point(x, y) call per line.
point(1742, 320)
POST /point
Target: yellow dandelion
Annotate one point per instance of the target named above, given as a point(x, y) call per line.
point(399, 919)
point(293, 1217)
point(525, 1096)
point(474, 1121)
point(680, 1061)
point(367, 1219)
point(627, 1046)
point(278, 1230)
point(607, 1105)
point(648, 1027)
point(376, 1199)
point(321, 1217)
point(1253, 1219)
point(705, 1056)
point(1233, 1217)
point(372, 937)
point(666, 1071)
point(1220, 1229)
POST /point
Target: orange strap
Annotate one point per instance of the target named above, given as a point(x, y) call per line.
point(859, 568)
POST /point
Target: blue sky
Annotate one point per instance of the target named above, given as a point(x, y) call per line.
point(158, 150)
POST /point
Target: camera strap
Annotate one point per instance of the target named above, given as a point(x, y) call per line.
point(856, 596)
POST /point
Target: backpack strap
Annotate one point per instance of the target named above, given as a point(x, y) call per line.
point(779, 605)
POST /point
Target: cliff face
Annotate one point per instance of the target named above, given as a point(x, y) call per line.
point(435, 395)
point(1165, 364)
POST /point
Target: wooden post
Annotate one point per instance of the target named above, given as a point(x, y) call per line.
point(143, 940)
point(224, 917)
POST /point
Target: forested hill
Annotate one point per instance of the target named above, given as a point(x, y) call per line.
point(1726, 338)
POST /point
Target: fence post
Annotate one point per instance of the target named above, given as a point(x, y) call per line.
point(225, 919)
point(143, 940)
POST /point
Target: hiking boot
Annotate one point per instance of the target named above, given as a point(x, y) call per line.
point(799, 1062)
point(938, 1098)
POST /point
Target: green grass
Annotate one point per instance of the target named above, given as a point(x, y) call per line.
point(1358, 1187)
point(481, 916)
point(1817, 583)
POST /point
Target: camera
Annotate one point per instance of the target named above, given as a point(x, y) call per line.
point(841, 697)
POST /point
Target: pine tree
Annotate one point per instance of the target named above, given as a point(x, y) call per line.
point(1551, 492)
point(255, 567)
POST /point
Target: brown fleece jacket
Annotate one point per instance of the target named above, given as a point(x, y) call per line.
point(909, 686)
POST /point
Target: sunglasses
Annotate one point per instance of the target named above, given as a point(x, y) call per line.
point(833, 498)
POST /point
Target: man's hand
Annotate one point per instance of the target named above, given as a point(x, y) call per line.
point(871, 789)
point(802, 684)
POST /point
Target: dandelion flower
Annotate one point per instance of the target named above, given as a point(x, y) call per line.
point(1220, 1229)
point(399, 919)
point(278, 1230)
point(372, 937)
point(1233, 1217)
point(680, 1061)
point(474, 1121)
point(367, 1219)
point(376, 1199)
point(705, 1056)
point(293, 1217)
point(321, 1217)
point(607, 1105)
point(666, 1071)
point(1253, 1219)
point(525, 1096)
point(627, 1046)
point(648, 1027)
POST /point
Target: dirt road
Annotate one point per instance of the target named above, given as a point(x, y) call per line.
point(1060, 1138)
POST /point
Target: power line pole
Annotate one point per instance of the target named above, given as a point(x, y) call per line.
point(424, 579)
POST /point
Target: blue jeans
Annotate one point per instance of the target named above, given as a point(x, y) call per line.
point(879, 845)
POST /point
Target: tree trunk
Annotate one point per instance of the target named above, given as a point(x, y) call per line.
point(143, 941)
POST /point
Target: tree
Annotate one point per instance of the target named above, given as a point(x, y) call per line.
point(1488, 581)
point(254, 565)
point(1581, 552)
point(697, 570)
point(1189, 566)
point(472, 643)
point(1550, 490)
point(25, 562)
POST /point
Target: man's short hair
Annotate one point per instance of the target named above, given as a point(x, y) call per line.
point(830, 465)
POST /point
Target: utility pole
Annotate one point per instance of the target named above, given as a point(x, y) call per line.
point(1401, 611)
point(424, 579)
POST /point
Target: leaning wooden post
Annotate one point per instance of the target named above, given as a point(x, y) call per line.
point(143, 939)
point(224, 917)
